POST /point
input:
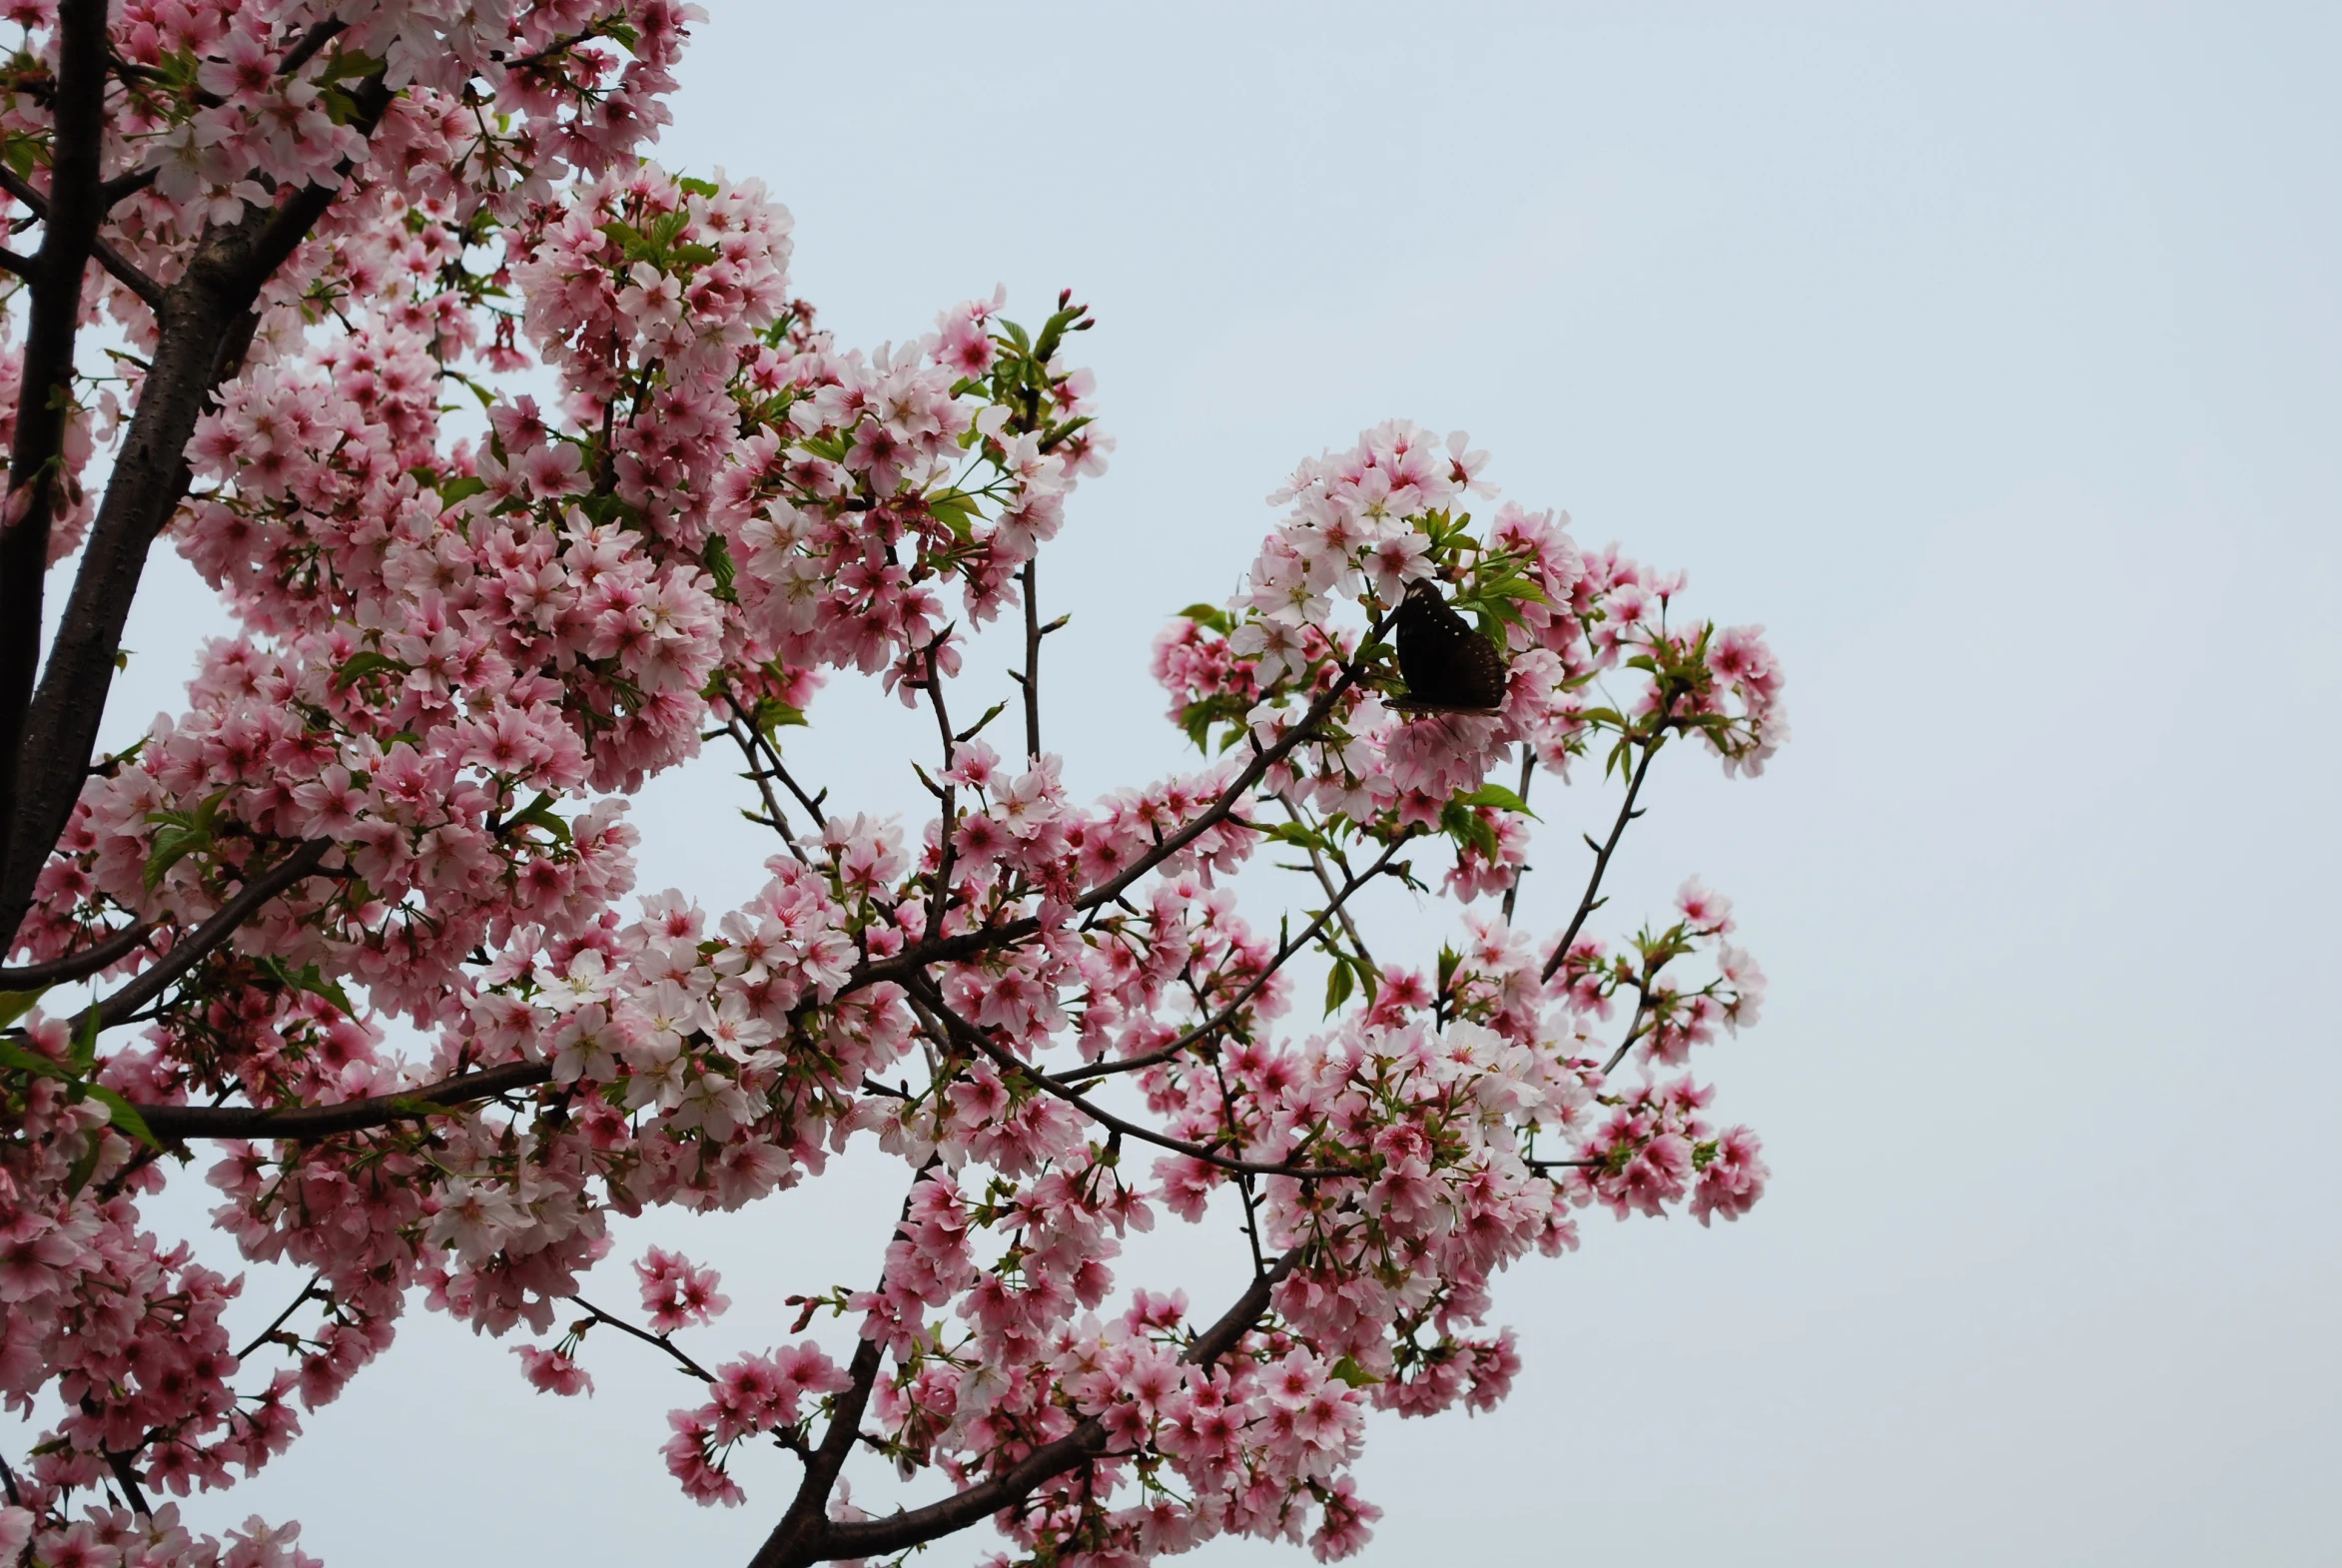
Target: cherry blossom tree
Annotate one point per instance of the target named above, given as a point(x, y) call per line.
point(353, 938)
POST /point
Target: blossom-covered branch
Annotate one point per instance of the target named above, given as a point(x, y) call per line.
point(360, 918)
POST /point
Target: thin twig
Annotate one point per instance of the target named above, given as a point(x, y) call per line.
point(742, 736)
point(1326, 880)
point(269, 1333)
point(647, 1337)
point(1528, 772)
point(1634, 1030)
point(914, 958)
point(1029, 680)
point(125, 271)
point(1226, 1015)
point(925, 993)
point(1626, 814)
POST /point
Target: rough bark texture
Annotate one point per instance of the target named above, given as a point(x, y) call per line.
point(205, 322)
point(69, 229)
point(807, 1536)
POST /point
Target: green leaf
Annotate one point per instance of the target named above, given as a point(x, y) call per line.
point(717, 558)
point(956, 511)
point(1293, 833)
point(1468, 827)
point(85, 1043)
point(1057, 435)
point(771, 713)
point(123, 1114)
point(359, 665)
point(172, 845)
point(16, 1004)
point(307, 978)
point(85, 1165)
point(697, 187)
point(464, 489)
point(16, 1057)
point(349, 62)
point(608, 508)
point(1349, 1371)
point(1502, 799)
point(540, 814)
point(1339, 984)
point(1211, 616)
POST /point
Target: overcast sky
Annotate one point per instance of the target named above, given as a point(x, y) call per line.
point(1992, 364)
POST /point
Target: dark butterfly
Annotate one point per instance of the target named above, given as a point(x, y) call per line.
point(1450, 667)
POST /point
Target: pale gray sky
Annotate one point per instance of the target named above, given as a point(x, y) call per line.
point(1991, 361)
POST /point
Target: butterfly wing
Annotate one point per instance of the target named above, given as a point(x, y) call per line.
point(1448, 666)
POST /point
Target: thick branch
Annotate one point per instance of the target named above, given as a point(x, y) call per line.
point(34, 459)
point(151, 982)
point(448, 1097)
point(77, 966)
point(203, 322)
point(1009, 1488)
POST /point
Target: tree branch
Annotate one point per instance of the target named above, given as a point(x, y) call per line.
point(914, 958)
point(1626, 814)
point(1009, 1488)
point(683, 1362)
point(312, 41)
point(291, 1308)
point(1326, 880)
point(1226, 1015)
point(78, 965)
point(203, 322)
point(151, 982)
point(448, 1097)
point(1528, 773)
point(69, 228)
point(1030, 678)
point(925, 993)
point(124, 270)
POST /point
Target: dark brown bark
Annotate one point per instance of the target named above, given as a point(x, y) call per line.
point(68, 230)
point(78, 965)
point(205, 320)
point(300, 1123)
point(807, 1536)
point(213, 934)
